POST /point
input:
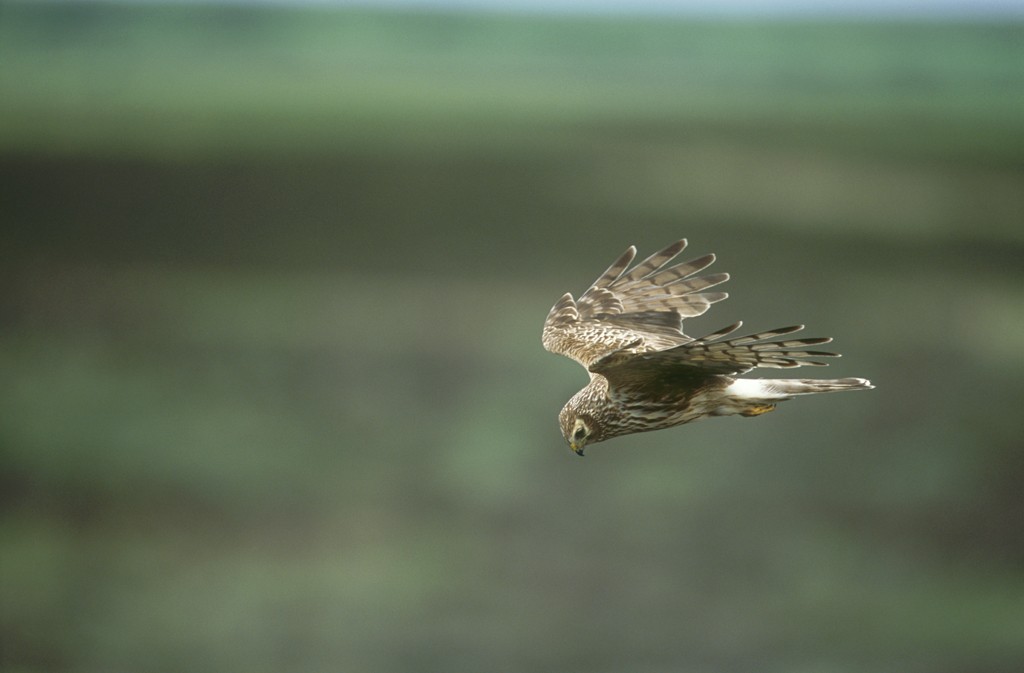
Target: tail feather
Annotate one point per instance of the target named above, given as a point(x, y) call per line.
point(783, 389)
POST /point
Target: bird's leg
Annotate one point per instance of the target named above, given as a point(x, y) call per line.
point(757, 410)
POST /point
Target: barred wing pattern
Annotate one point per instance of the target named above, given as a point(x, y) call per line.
point(713, 354)
point(641, 309)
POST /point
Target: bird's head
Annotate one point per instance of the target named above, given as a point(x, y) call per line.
point(578, 429)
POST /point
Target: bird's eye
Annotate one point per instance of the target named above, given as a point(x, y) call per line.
point(580, 433)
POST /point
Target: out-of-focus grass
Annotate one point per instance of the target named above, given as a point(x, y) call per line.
point(273, 396)
point(381, 484)
point(191, 81)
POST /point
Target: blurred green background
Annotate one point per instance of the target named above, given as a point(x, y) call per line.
point(272, 395)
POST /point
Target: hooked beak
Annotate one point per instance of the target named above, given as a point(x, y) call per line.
point(577, 447)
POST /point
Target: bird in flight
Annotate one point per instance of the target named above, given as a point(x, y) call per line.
point(646, 374)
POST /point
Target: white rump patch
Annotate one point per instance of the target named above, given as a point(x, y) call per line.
point(750, 389)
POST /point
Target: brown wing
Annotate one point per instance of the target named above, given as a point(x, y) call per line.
point(640, 310)
point(711, 355)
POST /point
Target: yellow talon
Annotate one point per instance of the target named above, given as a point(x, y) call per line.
point(758, 409)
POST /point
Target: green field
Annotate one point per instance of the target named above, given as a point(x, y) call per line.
point(185, 82)
point(272, 395)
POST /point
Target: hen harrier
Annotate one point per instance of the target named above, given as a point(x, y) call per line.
point(645, 374)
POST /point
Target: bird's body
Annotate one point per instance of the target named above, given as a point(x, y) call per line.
point(646, 374)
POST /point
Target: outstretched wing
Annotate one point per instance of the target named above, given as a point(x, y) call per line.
point(711, 355)
point(640, 310)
